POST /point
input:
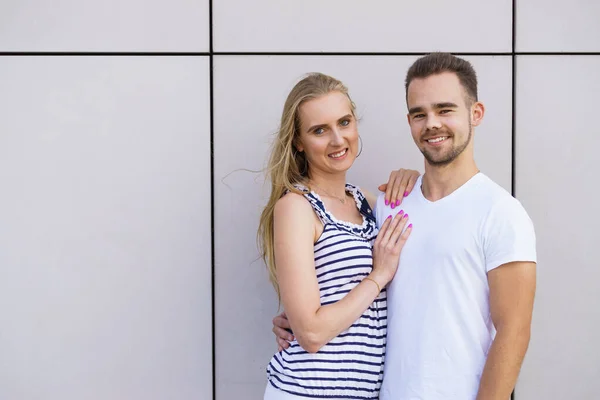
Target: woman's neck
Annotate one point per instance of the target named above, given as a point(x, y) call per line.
point(330, 184)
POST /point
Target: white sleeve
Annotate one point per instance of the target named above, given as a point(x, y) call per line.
point(508, 235)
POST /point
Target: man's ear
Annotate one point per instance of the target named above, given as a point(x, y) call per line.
point(477, 112)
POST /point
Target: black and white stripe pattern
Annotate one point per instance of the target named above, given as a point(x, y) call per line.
point(351, 365)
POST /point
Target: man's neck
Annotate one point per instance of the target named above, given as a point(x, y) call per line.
point(439, 181)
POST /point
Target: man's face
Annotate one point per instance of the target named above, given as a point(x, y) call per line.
point(441, 117)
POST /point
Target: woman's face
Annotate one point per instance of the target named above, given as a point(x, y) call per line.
point(328, 133)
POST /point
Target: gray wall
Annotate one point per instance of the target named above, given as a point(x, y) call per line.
point(105, 173)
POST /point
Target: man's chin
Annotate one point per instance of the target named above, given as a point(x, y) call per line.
point(438, 161)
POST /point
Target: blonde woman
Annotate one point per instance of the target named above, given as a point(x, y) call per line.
point(327, 261)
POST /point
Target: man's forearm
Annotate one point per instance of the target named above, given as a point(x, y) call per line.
point(503, 365)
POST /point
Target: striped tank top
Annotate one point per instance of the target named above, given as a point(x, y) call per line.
point(351, 365)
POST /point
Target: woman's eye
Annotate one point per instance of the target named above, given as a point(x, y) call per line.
point(345, 122)
point(319, 131)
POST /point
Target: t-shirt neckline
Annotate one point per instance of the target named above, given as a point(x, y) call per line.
point(472, 181)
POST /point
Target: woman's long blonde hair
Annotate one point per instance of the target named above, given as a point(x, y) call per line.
point(287, 166)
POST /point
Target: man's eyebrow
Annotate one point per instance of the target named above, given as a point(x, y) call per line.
point(437, 106)
point(445, 105)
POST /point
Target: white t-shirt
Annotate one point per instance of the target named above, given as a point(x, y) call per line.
point(439, 324)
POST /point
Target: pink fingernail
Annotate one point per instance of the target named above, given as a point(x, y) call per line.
point(387, 202)
point(393, 205)
point(405, 215)
point(410, 225)
point(389, 216)
point(405, 194)
point(400, 212)
point(397, 203)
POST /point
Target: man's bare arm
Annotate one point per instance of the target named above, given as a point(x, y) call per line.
point(512, 291)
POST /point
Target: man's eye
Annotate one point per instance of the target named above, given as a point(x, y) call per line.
point(416, 116)
point(445, 111)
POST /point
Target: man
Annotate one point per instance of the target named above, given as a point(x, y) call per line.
point(460, 305)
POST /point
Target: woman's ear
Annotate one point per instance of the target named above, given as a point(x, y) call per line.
point(298, 146)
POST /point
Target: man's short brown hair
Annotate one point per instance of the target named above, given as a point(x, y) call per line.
point(437, 63)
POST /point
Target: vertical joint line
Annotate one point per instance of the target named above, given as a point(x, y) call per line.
point(514, 108)
point(513, 126)
point(514, 101)
point(212, 199)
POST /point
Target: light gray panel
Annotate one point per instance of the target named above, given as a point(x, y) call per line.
point(105, 242)
point(362, 26)
point(556, 180)
point(110, 25)
point(569, 26)
point(249, 96)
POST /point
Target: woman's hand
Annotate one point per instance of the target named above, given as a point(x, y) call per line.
point(387, 247)
point(399, 185)
point(282, 329)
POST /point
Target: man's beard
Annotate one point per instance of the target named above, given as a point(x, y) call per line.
point(452, 154)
